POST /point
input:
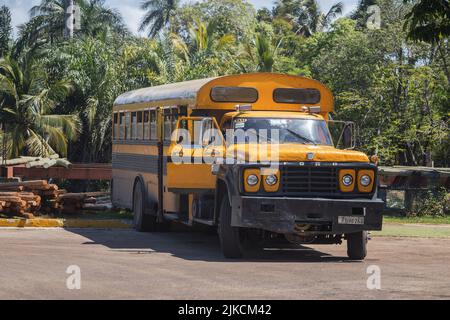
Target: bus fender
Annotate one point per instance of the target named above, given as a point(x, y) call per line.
point(148, 207)
point(225, 184)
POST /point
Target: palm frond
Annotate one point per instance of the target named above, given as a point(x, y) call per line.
point(37, 146)
point(56, 139)
point(69, 124)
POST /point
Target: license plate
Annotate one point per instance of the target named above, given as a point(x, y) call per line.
point(350, 220)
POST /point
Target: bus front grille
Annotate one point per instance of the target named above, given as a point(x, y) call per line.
point(309, 180)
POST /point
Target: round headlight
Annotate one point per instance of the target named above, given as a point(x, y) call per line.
point(347, 180)
point(365, 180)
point(271, 180)
point(252, 180)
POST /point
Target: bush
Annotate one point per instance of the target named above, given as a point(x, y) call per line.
point(433, 202)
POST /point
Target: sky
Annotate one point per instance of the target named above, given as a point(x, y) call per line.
point(132, 14)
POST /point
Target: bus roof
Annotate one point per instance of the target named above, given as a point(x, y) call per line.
point(198, 93)
point(184, 91)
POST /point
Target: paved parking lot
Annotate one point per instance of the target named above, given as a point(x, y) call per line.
point(125, 264)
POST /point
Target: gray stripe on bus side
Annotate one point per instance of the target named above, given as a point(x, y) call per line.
point(137, 162)
point(135, 142)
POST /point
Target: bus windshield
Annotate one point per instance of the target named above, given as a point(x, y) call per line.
point(301, 131)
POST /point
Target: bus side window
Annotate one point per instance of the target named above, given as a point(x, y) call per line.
point(115, 128)
point(122, 126)
point(167, 124)
point(127, 126)
point(140, 132)
point(146, 125)
point(167, 127)
point(133, 125)
point(153, 131)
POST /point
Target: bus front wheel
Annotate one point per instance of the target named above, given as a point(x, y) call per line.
point(357, 245)
point(230, 237)
point(142, 222)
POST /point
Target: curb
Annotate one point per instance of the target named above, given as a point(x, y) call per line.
point(65, 223)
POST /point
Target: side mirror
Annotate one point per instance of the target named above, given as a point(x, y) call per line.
point(348, 140)
point(343, 133)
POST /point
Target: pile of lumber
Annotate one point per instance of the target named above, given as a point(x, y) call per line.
point(87, 201)
point(22, 203)
point(28, 197)
point(37, 162)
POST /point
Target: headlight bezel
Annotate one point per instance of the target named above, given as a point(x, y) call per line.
point(367, 182)
point(249, 188)
point(273, 186)
point(273, 182)
point(347, 180)
point(346, 188)
point(255, 182)
point(371, 174)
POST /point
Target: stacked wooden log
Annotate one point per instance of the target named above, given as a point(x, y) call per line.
point(33, 162)
point(27, 197)
point(76, 202)
point(19, 202)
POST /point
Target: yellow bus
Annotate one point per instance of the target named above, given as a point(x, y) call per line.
point(284, 178)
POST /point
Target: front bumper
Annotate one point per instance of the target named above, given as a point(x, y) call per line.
point(283, 215)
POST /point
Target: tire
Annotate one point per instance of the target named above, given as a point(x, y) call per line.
point(357, 245)
point(142, 222)
point(230, 239)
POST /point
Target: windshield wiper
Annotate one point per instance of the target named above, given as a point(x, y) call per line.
point(259, 136)
point(298, 135)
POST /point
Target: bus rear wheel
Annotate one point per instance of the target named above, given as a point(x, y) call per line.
point(142, 222)
point(230, 237)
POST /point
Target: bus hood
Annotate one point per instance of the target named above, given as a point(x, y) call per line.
point(294, 153)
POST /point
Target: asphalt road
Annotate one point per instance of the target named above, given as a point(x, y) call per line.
point(125, 264)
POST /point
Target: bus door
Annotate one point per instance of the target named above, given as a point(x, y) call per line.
point(167, 121)
point(197, 144)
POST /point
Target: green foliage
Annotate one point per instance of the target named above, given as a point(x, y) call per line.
point(159, 14)
point(305, 15)
point(101, 71)
point(432, 203)
point(395, 89)
point(47, 23)
point(429, 20)
point(231, 17)
point(26, 103)
point(5, 30)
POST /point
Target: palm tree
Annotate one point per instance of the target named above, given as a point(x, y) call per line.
point(315, 20)
point(47, 22)
point(203, 53)
point(158, 15)
point(26, 103)
point(5, 30)
point(306, 15)
point(428, 20)
point(97, 19)
point(203, 42)
point(263, 59)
